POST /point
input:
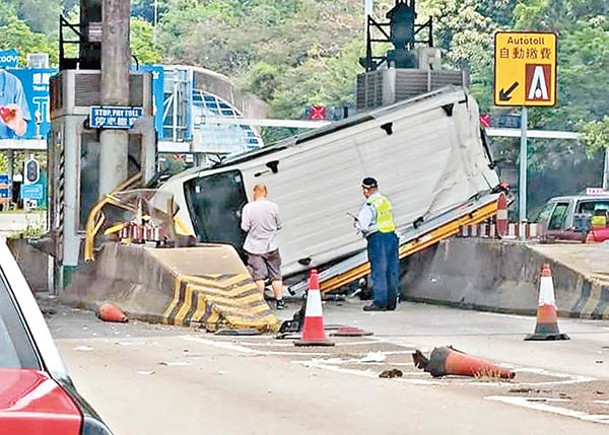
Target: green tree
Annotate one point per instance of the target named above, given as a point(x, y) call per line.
point(142, 45)
point(15, 33)
point(40, 16)
point(596, 135)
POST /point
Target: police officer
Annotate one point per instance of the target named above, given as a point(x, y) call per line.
point(375, 223)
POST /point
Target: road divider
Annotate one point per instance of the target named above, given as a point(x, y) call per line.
point(206, 286)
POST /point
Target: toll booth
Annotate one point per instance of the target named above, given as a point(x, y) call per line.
point(74, 152)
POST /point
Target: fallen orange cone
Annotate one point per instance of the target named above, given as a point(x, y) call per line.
point(448, 361)
point(547, 319)
point(350, 331)
point(313, 333)
point(111, 313)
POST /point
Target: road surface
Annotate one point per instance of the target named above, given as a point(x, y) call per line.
point(155, 379)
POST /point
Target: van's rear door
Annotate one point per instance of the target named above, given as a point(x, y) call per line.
point(214, 202)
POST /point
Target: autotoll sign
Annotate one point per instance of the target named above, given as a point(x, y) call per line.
point(525, 69)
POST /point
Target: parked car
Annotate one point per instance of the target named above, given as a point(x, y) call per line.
point(37, 395)
point(576, 218)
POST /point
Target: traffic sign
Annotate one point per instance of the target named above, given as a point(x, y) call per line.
point(117, 117)
point(32, 191)
point(29, 204)
point(525, 69)
point(5, 189)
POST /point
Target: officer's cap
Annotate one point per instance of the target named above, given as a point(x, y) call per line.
point(369, 182)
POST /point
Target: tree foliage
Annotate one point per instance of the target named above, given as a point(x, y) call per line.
point(295, 53)
point(15, 33)
point(142, 42)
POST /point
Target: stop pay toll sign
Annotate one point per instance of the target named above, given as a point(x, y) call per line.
point(525, 69)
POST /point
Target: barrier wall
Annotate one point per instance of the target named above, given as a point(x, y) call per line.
point(503, 276)
point(205, 286)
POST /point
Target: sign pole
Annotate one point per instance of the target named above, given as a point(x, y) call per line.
point(522, 185)
point(606, 171)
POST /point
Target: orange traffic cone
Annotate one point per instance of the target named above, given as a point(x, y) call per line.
point(448, 361)
point(547, 324)
point(313, 333)
point(111, 313)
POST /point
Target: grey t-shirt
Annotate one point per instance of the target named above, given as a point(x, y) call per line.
point(261, 220)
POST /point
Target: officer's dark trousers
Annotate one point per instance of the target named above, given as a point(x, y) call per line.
point(385, 265)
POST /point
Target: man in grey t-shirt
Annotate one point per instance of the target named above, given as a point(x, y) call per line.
point(260, 219)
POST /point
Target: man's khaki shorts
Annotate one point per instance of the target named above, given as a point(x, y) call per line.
point(265, 265)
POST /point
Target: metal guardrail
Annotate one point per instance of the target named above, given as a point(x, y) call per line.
point(519, 231)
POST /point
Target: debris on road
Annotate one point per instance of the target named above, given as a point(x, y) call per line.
point(393, 373)
point(111, 313)
point(448, 361)
point(374, 357)
point(146, 372)
point(83, 348)
point(350, 331)
point(238, 332)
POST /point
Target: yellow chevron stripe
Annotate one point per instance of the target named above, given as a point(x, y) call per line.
point(201, 280)
point(268, 323)
point(174, 302)
point(227, 307)
point(244, 312)
point(235, 294)
point(208, 280)
point(256, 297)
point(201, 307)
point(212, 321)
point(185, 308)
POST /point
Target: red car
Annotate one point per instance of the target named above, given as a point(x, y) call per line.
point(37, 396)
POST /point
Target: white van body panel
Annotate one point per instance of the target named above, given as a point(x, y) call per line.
point(432, 161)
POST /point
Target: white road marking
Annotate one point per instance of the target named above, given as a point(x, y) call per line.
point(362, 373)
point(331, 364)
point(567, 378)
point(288, 343)
point(540, 405)
point(506, 316)
point(243, 349)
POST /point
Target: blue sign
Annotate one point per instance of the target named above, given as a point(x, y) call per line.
point(158, 89)
point(8, 58)
point(114, 116)
point(5, 189)
point(35, 84)
point(32, 191)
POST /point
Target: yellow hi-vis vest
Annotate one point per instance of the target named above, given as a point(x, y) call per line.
point(384, 215)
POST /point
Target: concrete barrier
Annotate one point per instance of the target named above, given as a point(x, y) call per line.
point(33, 262)
point(206, 286)
point(504, 276)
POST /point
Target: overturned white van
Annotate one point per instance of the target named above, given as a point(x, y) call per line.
point(427, 154)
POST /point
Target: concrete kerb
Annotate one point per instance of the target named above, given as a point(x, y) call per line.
point(158, 287)
point(500, 276)
point(117, 277)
